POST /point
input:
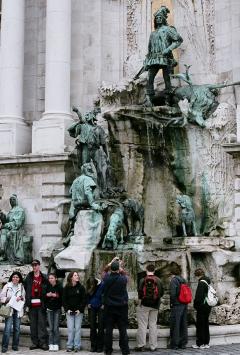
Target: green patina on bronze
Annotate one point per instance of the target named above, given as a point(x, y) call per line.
point(91, 144)
point(202, 99)
point(162, 41)
point(84, 191)
point(16, 247)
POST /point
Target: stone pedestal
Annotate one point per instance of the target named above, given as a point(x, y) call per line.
point(50, 136)
point(87, 233)
point(15, 137)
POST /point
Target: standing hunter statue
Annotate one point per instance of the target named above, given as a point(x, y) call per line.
point(162, 41)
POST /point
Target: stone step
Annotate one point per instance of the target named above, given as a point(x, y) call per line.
point(220, 335)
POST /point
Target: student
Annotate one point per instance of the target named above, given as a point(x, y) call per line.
point(34, 284)
point(95, 312)
point(53, 302)
point(150, 292)
point(203, 311)
point(14, 287)
point(74, 301)
point(115, 301)
point(178, 315)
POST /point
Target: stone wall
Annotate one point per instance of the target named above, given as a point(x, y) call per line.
point(40, 184)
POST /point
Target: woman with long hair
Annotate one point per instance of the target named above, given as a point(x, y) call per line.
point(53, 302)
point(14, 291)
point(74, 301)
point(95, 312)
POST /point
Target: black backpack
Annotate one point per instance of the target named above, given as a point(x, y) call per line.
point(150, 288)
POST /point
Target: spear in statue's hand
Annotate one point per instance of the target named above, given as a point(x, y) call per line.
point(142, 70)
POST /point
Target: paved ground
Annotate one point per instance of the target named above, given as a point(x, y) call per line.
point(215, 350)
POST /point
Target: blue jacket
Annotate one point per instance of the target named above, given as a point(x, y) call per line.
point(95, 300)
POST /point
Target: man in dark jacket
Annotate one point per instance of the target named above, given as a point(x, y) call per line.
point(150, 291)
point(115, 301)
point(203, 311)
point(178, 315)
point(35, 284)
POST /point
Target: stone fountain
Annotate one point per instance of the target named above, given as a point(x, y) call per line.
point(161, 185)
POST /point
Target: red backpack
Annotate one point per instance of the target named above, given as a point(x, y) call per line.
point(185, 294)
point(150, 289)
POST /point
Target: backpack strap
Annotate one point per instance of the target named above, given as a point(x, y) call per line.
point(205, 282)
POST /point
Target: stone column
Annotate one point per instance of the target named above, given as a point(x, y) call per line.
point(49, 134)
point(15, 134)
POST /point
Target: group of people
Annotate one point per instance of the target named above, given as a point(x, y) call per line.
point(43, 297)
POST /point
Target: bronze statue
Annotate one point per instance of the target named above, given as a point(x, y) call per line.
point(114, 234)
point(83, 191)
point(162, 41)
point(187, 216)
point(91, 144)
point(202, 99)
point(134, 219)
point(15, 246)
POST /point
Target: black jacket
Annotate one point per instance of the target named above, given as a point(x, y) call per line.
point(175, 290)
point(115, 290)
point(28, 287)
point(201, 292)
point(150, 303)
point(74, 298)
point(53, 303)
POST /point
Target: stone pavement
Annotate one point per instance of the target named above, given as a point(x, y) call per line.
point(232, 349)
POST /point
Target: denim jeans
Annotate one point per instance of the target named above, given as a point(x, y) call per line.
point(53, 317)
point(11, 322)
point(178, 326)
point(74, 323)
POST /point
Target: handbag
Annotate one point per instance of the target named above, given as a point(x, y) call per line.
point(5, 311)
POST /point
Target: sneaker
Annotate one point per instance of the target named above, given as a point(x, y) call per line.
point(15, 348)
point(51, 347)
point(205, 346)
point(55, 347)
point(76, 350)
point(195, 346)
point(69, 350)
point(4, 350)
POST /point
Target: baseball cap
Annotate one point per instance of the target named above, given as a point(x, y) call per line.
point(114, 265)
point(35, 261)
